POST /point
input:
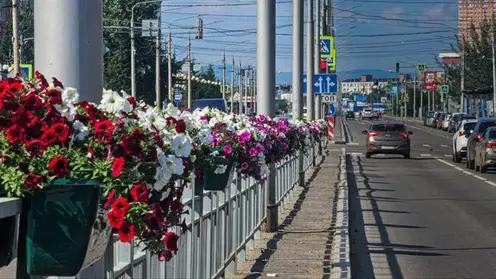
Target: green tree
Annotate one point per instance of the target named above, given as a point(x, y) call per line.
point(117, 14)
point(26, 41)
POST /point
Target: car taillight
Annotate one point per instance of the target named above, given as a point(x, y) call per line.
point(462, 133)
point(373, 134)
point(477, 138)
point(490, 144)
point(404, 135)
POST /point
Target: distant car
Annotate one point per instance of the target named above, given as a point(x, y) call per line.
point(460, 139)
point(387, 138)
point(350, 115)
point(446, 121)
point(217, 103)
point(370, 114)
point(485, 151)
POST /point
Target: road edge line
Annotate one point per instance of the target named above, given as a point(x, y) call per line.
point(341, 240)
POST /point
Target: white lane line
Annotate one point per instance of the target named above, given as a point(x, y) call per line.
point(353, 143)
point(425, 155)
point(426, 145)
point(468, 172)
point(444, 145)
point(356, 153)
point(447, 155)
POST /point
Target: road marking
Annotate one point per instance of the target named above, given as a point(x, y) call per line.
point(425, 155)
point(447, 155)
point(356, 153)
point(444, 145)
point(468, 172)
point(426, 145)
point(353, 143)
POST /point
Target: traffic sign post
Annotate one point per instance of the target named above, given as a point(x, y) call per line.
point(329, 99)
point(326, 46)
point(421, 68)
point(26, 71)
point(323, 83)
point(178, 97)
point(444, 89)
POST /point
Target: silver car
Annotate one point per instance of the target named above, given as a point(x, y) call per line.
point(387, 138)
point(485, 151)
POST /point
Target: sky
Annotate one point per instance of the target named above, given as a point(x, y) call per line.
point(370, 34)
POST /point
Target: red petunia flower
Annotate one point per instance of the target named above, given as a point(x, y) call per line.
point(140, 192)
point(126, 232)
point(16, 134)
point(41, 78)
point(121, 206)
point(118, 166)
point(170, 241)
point(57, 83)
point(33, 181)
point(21, 117)
point(110, 199)
point(165, 256)
point(132, 143)
point(116, 221)
point(49, 137)
point(59, 166)
point(180, 126)
point(32, 102)
point(62, 131)
point(132, 101)
point(152, 222)
point(104, 128)
point(55, 96)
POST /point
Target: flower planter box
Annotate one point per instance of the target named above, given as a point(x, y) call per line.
point(210, 181)
point(7, 240)
point(64, 230)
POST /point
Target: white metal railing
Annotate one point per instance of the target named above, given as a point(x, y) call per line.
point(225, 224)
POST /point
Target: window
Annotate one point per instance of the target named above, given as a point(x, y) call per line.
point(388, 128)
point(469, 126)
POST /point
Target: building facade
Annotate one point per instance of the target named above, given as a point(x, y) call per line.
point(365, 84)
point(474, 12)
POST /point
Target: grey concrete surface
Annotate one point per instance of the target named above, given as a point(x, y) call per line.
point(423, 217)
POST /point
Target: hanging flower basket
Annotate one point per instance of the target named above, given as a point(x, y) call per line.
point(64, 232)
point(211, 181)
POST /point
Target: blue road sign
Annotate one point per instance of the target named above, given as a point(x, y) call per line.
point(325, 47)
point(178, 96)
point(444, 89)
point(332, 110)
point(322, 84)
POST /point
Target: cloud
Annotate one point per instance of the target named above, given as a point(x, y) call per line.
point(393, 13)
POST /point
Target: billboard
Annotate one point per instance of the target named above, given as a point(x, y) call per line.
point(430, 81)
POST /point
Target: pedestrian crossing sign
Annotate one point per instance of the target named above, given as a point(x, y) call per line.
point(326, 46)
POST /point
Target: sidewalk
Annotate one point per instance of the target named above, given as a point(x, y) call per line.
point(304, 247)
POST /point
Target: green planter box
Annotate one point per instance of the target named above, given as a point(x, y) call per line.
point(211, 181)
point(59, 227)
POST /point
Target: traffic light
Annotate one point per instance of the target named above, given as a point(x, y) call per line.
point(323, 66)
point(397, 67)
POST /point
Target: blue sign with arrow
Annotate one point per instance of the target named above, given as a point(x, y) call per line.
point(322, 84)
point(332, 110)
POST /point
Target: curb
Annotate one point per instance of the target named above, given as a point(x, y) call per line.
point(342, 139)
point(340, 252)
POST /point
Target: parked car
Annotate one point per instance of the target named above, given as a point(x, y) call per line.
point(426, 117)
point(369, 114)
point(446, 121)
point(432, 119)
point(385, 137)
point(459, 147)
point(439, 120)
point(485, 151)
point(477, 136)
point(456, 119)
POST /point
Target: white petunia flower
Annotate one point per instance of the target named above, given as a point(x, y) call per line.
point(67, 110)
point(175, 164)
point(82, 130)
point(70, 96)
point(181, 145)
point(220, 169)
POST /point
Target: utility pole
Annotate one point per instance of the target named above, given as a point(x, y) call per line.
point(246, 90)
point(232, 87)
point(462, 79)
point(318, 104)
point(15, 36)
point(80, 67)
point(310, 61)
point(190, 98)
point(169, 68)
point(266, 68)
point(298, 8)
point(415, 95)
point(158, 97)
point(133, 53)
point(421, 109)
point(240, 89)
point(224, 77)
point(494, 66)
point(255, 90)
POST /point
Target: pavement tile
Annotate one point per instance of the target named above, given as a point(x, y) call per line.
point(301, 248)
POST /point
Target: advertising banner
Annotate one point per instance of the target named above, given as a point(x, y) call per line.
point(430, 81)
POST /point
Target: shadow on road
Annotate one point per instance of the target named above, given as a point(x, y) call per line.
point(361, 250)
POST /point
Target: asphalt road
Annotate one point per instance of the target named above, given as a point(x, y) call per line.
point(424, 217)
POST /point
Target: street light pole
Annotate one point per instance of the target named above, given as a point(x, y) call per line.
point(317, 56)
point(240, 89)
point(190, 98)
point(310, 57)
point(298, 8)
point(15, 36)
point(266, 68)
point(232, 86)
point(158, 97)
point(224, 77)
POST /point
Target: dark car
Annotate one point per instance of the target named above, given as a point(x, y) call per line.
point(477, 136)
point(217, 103)
point(387, 138)
point(350, 115)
